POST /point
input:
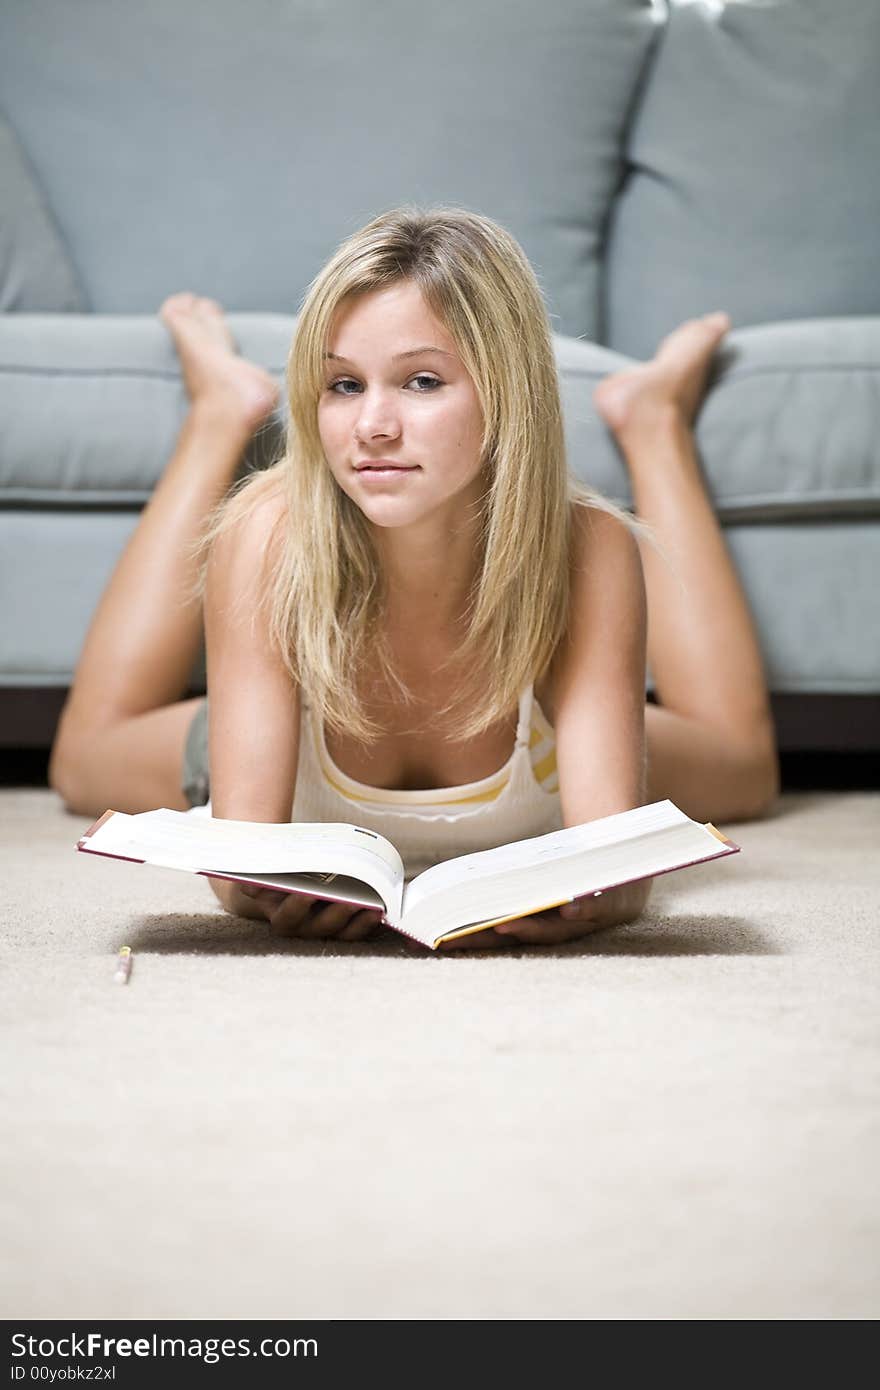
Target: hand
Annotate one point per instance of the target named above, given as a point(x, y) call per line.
point(300, 915)
point(477, 941)
point(544, 929)
point(611, 908)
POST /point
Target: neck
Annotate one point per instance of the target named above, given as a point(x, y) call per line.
point(430, 577)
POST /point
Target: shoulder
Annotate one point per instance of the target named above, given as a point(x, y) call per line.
point(262, 506)
point(249, 520)
point(606, 575)
point(251, 525)
point(607, 595)
point(599, 536)
point(607, 610)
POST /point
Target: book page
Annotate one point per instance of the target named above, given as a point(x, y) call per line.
point(533, 875)
point(465, 869)
point(175, 840)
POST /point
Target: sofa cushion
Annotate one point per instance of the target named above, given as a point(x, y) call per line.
point(91, 405)
point(754, 185)
point(228, 148)
point(36, 273)
point(810, 586)
point(790, 422)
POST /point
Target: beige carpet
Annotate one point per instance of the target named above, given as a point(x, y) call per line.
point(677, 1119)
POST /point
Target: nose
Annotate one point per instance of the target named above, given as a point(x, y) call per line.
point(378, 417)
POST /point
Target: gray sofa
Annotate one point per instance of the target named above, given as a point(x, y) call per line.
point(655, 163)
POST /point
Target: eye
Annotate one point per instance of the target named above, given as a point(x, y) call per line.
point(432, 382)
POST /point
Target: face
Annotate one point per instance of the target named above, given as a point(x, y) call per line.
point(396, 391)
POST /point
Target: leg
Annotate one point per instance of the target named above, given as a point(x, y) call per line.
point(120, 739)
point(711, 741)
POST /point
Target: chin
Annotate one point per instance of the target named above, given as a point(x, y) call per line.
point(388, 518)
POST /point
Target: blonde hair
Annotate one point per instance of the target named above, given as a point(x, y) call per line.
point(323, 584)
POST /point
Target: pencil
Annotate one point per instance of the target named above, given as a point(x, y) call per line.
point(123, 967)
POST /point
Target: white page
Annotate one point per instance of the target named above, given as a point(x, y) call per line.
point(530, 875)
point(175, 840)
point(532, 887)
point(467, 869)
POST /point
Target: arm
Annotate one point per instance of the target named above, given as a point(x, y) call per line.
point(599, 687)
point(599, 716)
point(599, 675)
point(253, 728)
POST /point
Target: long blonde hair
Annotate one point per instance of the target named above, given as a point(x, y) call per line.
point(323, 584)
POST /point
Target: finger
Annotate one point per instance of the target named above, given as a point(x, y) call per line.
point(270, 901)
point(327, 920)
point(268, 897)
point(542, 931)
point(362, 925)
point(584, 909)
point(474, 941)
point(287, 916)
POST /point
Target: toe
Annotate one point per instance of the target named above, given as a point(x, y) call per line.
point(177, 304)
point(718, 324)
point(693, 337)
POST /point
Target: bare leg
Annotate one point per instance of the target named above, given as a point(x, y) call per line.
point(120, 739)
point(711, 742)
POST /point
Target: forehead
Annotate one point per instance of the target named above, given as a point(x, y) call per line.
point(384, 322)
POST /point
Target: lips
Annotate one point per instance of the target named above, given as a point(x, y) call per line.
point(384, 466)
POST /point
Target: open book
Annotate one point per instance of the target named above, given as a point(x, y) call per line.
point(346, 863)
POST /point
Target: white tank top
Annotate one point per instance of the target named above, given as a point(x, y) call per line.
point(429, 826)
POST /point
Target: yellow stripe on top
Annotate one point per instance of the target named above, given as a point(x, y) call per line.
point(542, 752)
point(488, 795)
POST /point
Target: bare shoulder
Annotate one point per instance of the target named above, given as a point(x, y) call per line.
point(272, 504)
point(600, 537)
point(606, 573)
point(240, 552)
point(600, 673)
point(253, 730)
point(607, 606)
point(265, 506)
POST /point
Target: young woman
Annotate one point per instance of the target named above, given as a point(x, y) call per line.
point(419, 585)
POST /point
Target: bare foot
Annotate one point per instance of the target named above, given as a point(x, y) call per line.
point(211, 365)
point(675, 377)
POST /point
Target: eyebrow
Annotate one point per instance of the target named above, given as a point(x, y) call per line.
point(411, 352)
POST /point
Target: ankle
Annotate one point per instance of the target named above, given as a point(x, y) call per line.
point(217, 408)
point(647, 420)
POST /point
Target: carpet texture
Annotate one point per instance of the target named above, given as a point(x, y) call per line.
point(676, 1119)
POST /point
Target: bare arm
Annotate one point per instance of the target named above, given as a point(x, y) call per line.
point(600, 675)
point(599, 718)
point(601, 750)
point(253, 727)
